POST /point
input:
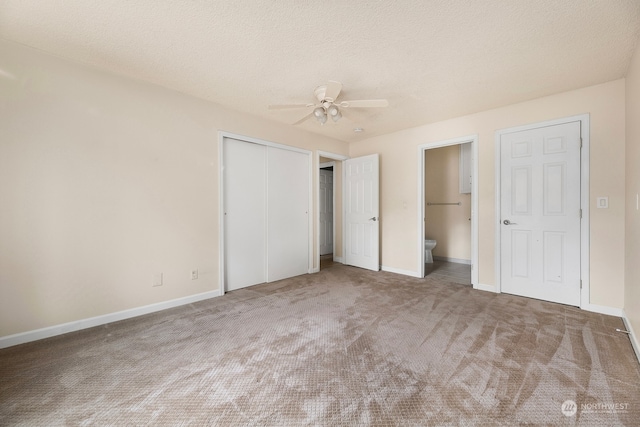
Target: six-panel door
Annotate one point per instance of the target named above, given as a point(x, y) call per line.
point(540, 213)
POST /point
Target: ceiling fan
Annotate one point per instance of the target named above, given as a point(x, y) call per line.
point(328, 104)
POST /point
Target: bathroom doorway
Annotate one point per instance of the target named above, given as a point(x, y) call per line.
point(448, 227)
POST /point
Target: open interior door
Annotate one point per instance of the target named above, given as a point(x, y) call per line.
point(362, 212)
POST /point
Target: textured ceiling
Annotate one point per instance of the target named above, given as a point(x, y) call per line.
point(432, 60)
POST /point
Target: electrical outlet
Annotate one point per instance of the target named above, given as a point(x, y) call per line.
point(157, 279)
point(194, 274)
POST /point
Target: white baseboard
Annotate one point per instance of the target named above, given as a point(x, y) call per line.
point(487, 288)
point(314, 270)
point(602, 309)
point(454, 260)
point(400, 271)
point(51, 331)
point(632, 336)
point(338, 259)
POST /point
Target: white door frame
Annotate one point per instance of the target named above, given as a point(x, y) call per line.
point(473, 139)
point(330, 164)
point(336, 158)
point(584, 198)
point(221, 235)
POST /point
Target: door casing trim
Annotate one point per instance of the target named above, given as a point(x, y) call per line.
point(584, 198)
point(332, 164)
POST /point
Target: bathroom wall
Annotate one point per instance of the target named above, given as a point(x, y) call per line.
point(449, 225)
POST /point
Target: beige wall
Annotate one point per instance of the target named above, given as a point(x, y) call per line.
point(449, 225)
point(399, 181)
point(104, 182)
point(632, 224)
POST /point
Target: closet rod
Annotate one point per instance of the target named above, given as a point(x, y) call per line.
point(431, 204)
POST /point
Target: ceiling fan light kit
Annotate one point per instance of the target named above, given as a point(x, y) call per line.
point(320, 115)
point(327, 109)
point(328, 106)
point(333, 110)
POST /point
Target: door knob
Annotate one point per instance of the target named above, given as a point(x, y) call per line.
point(507, 222)
point(373, 219)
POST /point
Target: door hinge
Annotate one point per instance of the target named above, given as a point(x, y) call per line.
point(580, 142)
point(580, 283)
point(580, 213)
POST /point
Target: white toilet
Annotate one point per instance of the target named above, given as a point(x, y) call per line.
point(428, 247)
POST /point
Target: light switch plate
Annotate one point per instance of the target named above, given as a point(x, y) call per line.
point(603, 202)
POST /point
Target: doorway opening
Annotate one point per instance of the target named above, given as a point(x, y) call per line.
point(326, 214)
point(329, 228)
point(448, 229)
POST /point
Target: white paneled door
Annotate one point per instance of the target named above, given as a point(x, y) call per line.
point(540, 213)
point(362, 212)
point(326, 211)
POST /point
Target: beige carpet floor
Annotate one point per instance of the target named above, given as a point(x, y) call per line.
point(344, 347)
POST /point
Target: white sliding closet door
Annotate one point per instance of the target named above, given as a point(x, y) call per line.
point(244, 213)
point(266, 213)
point(287, 213)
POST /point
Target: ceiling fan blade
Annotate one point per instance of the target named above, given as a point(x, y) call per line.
point(304, 118)
point(286, 106)
point(333, 90)
point(365, 103)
